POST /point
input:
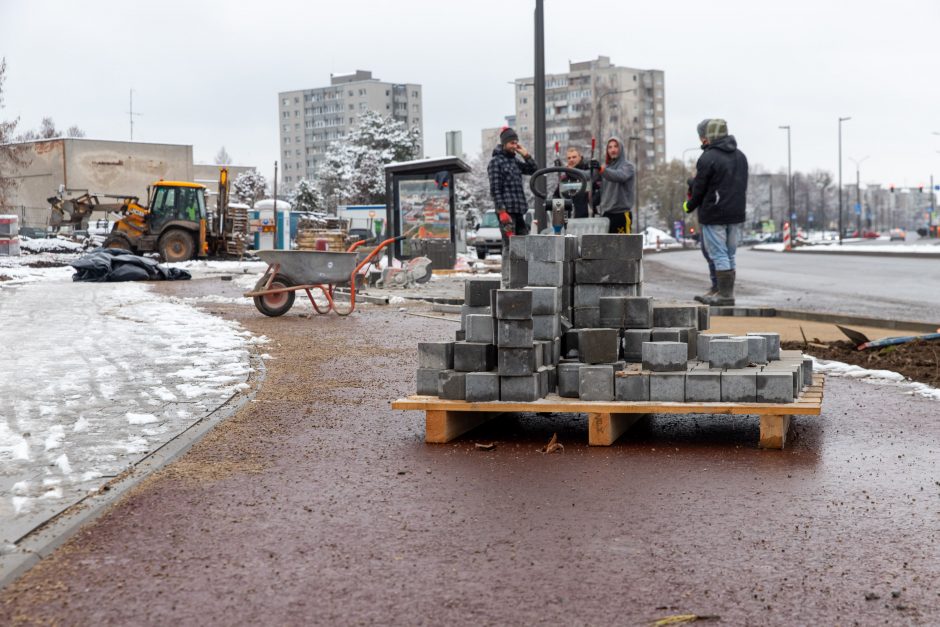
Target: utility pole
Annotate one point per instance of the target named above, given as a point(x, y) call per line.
point(131, 114)
point(789, 176)
point(858, 193)
point(541, 215)
point(933, 207)
point(275, 206)
point(636, 179)
point(841, 120)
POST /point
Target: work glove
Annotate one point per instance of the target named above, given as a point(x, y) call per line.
point(686, 208)
point(595, 165)
point(503, 216)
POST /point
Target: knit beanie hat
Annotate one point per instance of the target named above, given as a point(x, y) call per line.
point(716, 129)
point(507, 135)
point(702, 127)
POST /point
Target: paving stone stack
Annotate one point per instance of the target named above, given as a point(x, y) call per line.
point(569, 317)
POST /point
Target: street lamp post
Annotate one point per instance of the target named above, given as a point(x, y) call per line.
point(789, 175)
point(841, 120)
point(858, 192)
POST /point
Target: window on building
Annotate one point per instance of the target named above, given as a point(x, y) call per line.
point(287, 179)
point(362, 106)
point(297, 126)
point(388, 92)
point(297, 152)
point(297, 140)
point(287, 140)
point(414, 94)
point(296, 113)
point(414, 107)
point(286, 153)
point(285, 114)
point(285, 101)
point(387, 107)
point(362, 92)
point(296, 100)
point(284, 128)
point(352, 120)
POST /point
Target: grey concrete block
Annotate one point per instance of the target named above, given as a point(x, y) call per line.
point(773, 345)
point(598, 346)
point(517, 275)
point(548, 351)
point(633, 340)
point(545, 300)
point(774, 387)
point(523, 389)
point(437, 355)
point(544, 381)
point(517, 362)
point(704, 318)
point(476, 292)
point(687, 335)
point(474, 357)
point(514, 333)
point(738, 386)
point(460, 335)
point(544, 248)
point(608, 271)
point(569, 341)
point(596, 382)
point(567, 297)
point(567, 274)
point(452, 385)
point(568, 379)
point(756, 348)
point(482, 387)
point(546, 274)
point(702, 343)
point(793, 368)
point(664, 356)
point(667, 386)
point(675, 315)
point(791, 355)
point(546, 327)
point(626, 312)
point(571, 247)
point(807, 371)
point(632, 385)
point(587, 317)
point(513, 304)
point(427, 381)
point(586, 295)
point(703, 386)
point(467, 310)
point(556, 350)
point(729, 353)
point(517, 247)
point(480, 328)
point(611, 246)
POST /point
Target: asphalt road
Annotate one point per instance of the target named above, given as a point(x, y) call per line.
point(318, 504)
point(885, 287)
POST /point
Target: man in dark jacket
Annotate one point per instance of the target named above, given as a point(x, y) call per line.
point(575, 161)
point(617, 184)
point(510, 161)
point(719, 193)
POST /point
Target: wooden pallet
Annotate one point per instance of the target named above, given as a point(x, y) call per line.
point(607, 421)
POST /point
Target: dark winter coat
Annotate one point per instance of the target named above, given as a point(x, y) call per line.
point(580, 200)
point(719, 190)
point(618, 183)
point(505, 173)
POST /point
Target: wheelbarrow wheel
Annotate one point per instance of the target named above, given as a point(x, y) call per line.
point(278, 304)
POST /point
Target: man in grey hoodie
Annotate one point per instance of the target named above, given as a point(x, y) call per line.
point(617, 184)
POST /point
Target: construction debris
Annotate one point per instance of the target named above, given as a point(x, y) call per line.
point(553, 445)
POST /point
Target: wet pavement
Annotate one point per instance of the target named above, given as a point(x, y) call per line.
point(95, 377)
point(317, 504)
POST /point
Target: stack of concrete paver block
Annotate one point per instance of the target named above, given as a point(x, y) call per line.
point(569, 318)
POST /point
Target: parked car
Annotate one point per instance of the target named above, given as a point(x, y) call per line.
point(488, 238)
point(32, 232)
point(897, 234)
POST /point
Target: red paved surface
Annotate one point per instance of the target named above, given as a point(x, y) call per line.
point(317, 504)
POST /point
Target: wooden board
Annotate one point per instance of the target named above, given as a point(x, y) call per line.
point(608, 420)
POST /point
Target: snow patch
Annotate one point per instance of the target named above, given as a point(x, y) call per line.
point(141, 419)
point(876, 377)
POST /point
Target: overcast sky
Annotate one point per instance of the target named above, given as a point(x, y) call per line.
point(208, 73)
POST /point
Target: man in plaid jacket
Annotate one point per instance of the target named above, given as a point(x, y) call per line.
point(505, 173)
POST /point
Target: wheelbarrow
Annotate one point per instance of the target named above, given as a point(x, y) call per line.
point(290, 271)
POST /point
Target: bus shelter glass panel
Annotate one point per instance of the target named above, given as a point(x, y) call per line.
point(424, 202)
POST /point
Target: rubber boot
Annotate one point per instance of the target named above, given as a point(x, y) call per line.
point(713, 291)
point(725, 297)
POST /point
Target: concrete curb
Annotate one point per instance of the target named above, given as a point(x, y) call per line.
point(860, 253)
point(812, 316)
point(50, 535)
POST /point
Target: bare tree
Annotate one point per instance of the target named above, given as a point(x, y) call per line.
point(663, 188)
point(13, 157)
point(48, 130)
point(222, 157)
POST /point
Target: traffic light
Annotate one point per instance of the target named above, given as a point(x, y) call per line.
point(920, 189)
point(891, 187)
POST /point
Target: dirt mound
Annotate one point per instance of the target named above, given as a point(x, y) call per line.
point(919, 361)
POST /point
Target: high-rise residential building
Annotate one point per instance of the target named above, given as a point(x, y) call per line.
point(599, 99)
point(489, 137)
point(309, 119)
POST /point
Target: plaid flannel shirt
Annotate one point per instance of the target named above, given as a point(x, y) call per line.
point(505, 174)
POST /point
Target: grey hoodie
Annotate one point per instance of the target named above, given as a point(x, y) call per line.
point(618, 181)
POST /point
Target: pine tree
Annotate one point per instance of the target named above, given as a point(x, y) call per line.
point(249, 187)
point(222, 157)
point(306, 197)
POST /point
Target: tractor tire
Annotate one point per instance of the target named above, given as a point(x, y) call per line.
point(274, 305)
point(118, 241)
point(176, 245)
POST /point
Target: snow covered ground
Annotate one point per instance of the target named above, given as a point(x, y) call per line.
point(849, 248)
point(93, 377)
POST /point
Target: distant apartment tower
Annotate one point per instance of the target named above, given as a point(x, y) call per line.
point(309, 119)
point(489, 137)
point(599, 99)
